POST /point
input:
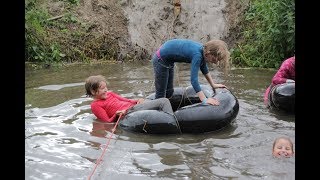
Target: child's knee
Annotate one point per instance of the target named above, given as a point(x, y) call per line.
point(165, 100)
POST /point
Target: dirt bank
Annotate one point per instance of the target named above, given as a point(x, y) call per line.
point(139, 27)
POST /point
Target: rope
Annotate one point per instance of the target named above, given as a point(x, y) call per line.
point(178, 125)
point(188, 98)
point(104, 150)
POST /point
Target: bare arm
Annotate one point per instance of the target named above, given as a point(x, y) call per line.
point(212, 84)
point(206, 100)
point(210, 100)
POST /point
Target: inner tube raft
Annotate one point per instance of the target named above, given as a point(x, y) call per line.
point(191, 116)
point(282, 97)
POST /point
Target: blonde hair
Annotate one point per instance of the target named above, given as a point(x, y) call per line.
point(219, 49)
point(92, 83)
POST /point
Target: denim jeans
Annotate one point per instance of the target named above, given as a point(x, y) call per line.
point(163, 76)
point(161, 104)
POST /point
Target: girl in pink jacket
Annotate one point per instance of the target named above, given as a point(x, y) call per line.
point(107, 105)
point(285, 74)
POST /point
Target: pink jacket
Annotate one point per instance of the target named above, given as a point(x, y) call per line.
point(105, 109)
point(286, 71)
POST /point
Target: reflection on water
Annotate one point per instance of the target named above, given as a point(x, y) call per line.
point(63, 140)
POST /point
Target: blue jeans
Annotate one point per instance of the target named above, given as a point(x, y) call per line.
point(163, 76)
point(161, 104)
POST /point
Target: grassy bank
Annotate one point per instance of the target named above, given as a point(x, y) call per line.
point(62, 38)
point(267, 34)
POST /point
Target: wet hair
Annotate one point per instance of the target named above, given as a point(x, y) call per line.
point(219, 49)
point(286, 138)
point(92, 83)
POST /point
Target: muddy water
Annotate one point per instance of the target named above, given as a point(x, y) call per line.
point(64, 140)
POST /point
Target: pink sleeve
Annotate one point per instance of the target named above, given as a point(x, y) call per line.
point(283, 73)
point(101, 114)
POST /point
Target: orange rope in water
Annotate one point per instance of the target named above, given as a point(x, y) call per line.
point(104, 150)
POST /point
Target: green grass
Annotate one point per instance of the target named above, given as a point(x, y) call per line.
point(62, 40)
point(268, 34)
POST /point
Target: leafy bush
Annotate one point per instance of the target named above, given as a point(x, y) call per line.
point(39, 48)
point(268, 34)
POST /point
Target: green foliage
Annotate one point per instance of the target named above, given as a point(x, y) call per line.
point(35, 32)
point(38, 47)
point(268, 34)
point(63, 38)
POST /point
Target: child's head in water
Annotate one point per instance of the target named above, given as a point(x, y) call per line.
point(282, 147)
point(96, 87)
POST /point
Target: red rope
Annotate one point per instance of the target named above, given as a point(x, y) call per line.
point(104, 150)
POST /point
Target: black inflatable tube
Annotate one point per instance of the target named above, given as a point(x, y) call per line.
point(283, 97)
point(191, 115)
point(150, 122)
point(199, 118)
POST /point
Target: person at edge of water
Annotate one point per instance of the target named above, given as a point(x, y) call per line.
point(285, 74)
point(107, 105)
point(195, 53)
point(282, 147)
